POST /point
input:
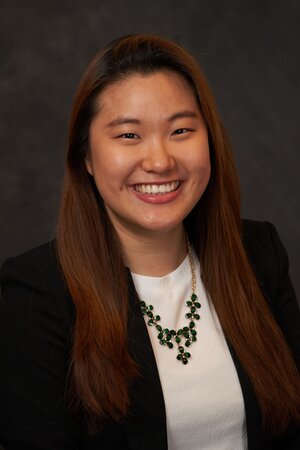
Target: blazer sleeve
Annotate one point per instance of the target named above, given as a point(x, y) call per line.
point(36, 322)
point(270, 263)
point(284, 303)
point(34, 355)
point(286, 312)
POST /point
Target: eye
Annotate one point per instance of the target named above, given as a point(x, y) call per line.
point(128, 136)
point(181, 131)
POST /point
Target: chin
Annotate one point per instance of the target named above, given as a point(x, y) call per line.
point(162, 226)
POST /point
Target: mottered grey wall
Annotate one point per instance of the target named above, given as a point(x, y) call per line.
point(249, 51)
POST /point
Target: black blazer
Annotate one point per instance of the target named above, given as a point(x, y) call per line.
point(36, 320)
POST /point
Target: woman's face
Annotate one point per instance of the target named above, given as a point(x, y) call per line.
point(149, 152)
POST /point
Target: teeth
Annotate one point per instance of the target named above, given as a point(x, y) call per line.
point(156, 188)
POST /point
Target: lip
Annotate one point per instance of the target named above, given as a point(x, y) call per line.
point(157, 199)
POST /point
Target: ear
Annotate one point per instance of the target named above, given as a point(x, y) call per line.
point(88, 165)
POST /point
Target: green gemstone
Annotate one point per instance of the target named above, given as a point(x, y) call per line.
point(165, 335)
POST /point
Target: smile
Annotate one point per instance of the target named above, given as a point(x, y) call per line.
point(157, 188)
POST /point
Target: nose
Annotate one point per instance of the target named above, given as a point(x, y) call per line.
point(158, 158)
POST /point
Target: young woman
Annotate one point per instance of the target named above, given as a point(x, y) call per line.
point(157, 317)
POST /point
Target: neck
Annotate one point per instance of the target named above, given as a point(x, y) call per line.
point(154, 254)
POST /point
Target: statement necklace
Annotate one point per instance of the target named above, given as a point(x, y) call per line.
point(186, 335)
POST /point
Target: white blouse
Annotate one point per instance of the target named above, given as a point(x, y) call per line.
point(203, 399)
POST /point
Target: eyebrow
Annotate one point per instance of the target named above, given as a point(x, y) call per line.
point(183, 115)
point(178, 115)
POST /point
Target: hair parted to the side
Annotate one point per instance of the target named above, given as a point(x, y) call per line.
point(90, 255)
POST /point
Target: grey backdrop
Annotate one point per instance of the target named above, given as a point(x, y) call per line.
point(249, 51)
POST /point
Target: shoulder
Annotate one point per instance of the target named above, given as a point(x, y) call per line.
point(42, 258)
point(266, 253)
point(259, 237)
point(37, 271)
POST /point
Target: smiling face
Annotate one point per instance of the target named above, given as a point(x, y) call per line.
point(149, 152)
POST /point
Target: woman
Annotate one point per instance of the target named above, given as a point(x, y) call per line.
point(157, 318)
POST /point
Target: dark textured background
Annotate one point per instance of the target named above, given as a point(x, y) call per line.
point(249, 51)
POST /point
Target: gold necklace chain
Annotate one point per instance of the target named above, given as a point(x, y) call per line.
point(165, 336)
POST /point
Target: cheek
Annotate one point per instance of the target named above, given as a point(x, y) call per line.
point(106, 155)
point(111, 171)
point(201, 161)
point(201, 170)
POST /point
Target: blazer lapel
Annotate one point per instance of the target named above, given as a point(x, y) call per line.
point(255, 434)
point(146, 423)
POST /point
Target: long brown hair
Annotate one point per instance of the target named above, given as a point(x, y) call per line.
point(89, 252)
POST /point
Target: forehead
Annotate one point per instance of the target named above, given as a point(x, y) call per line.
point(166, 88)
